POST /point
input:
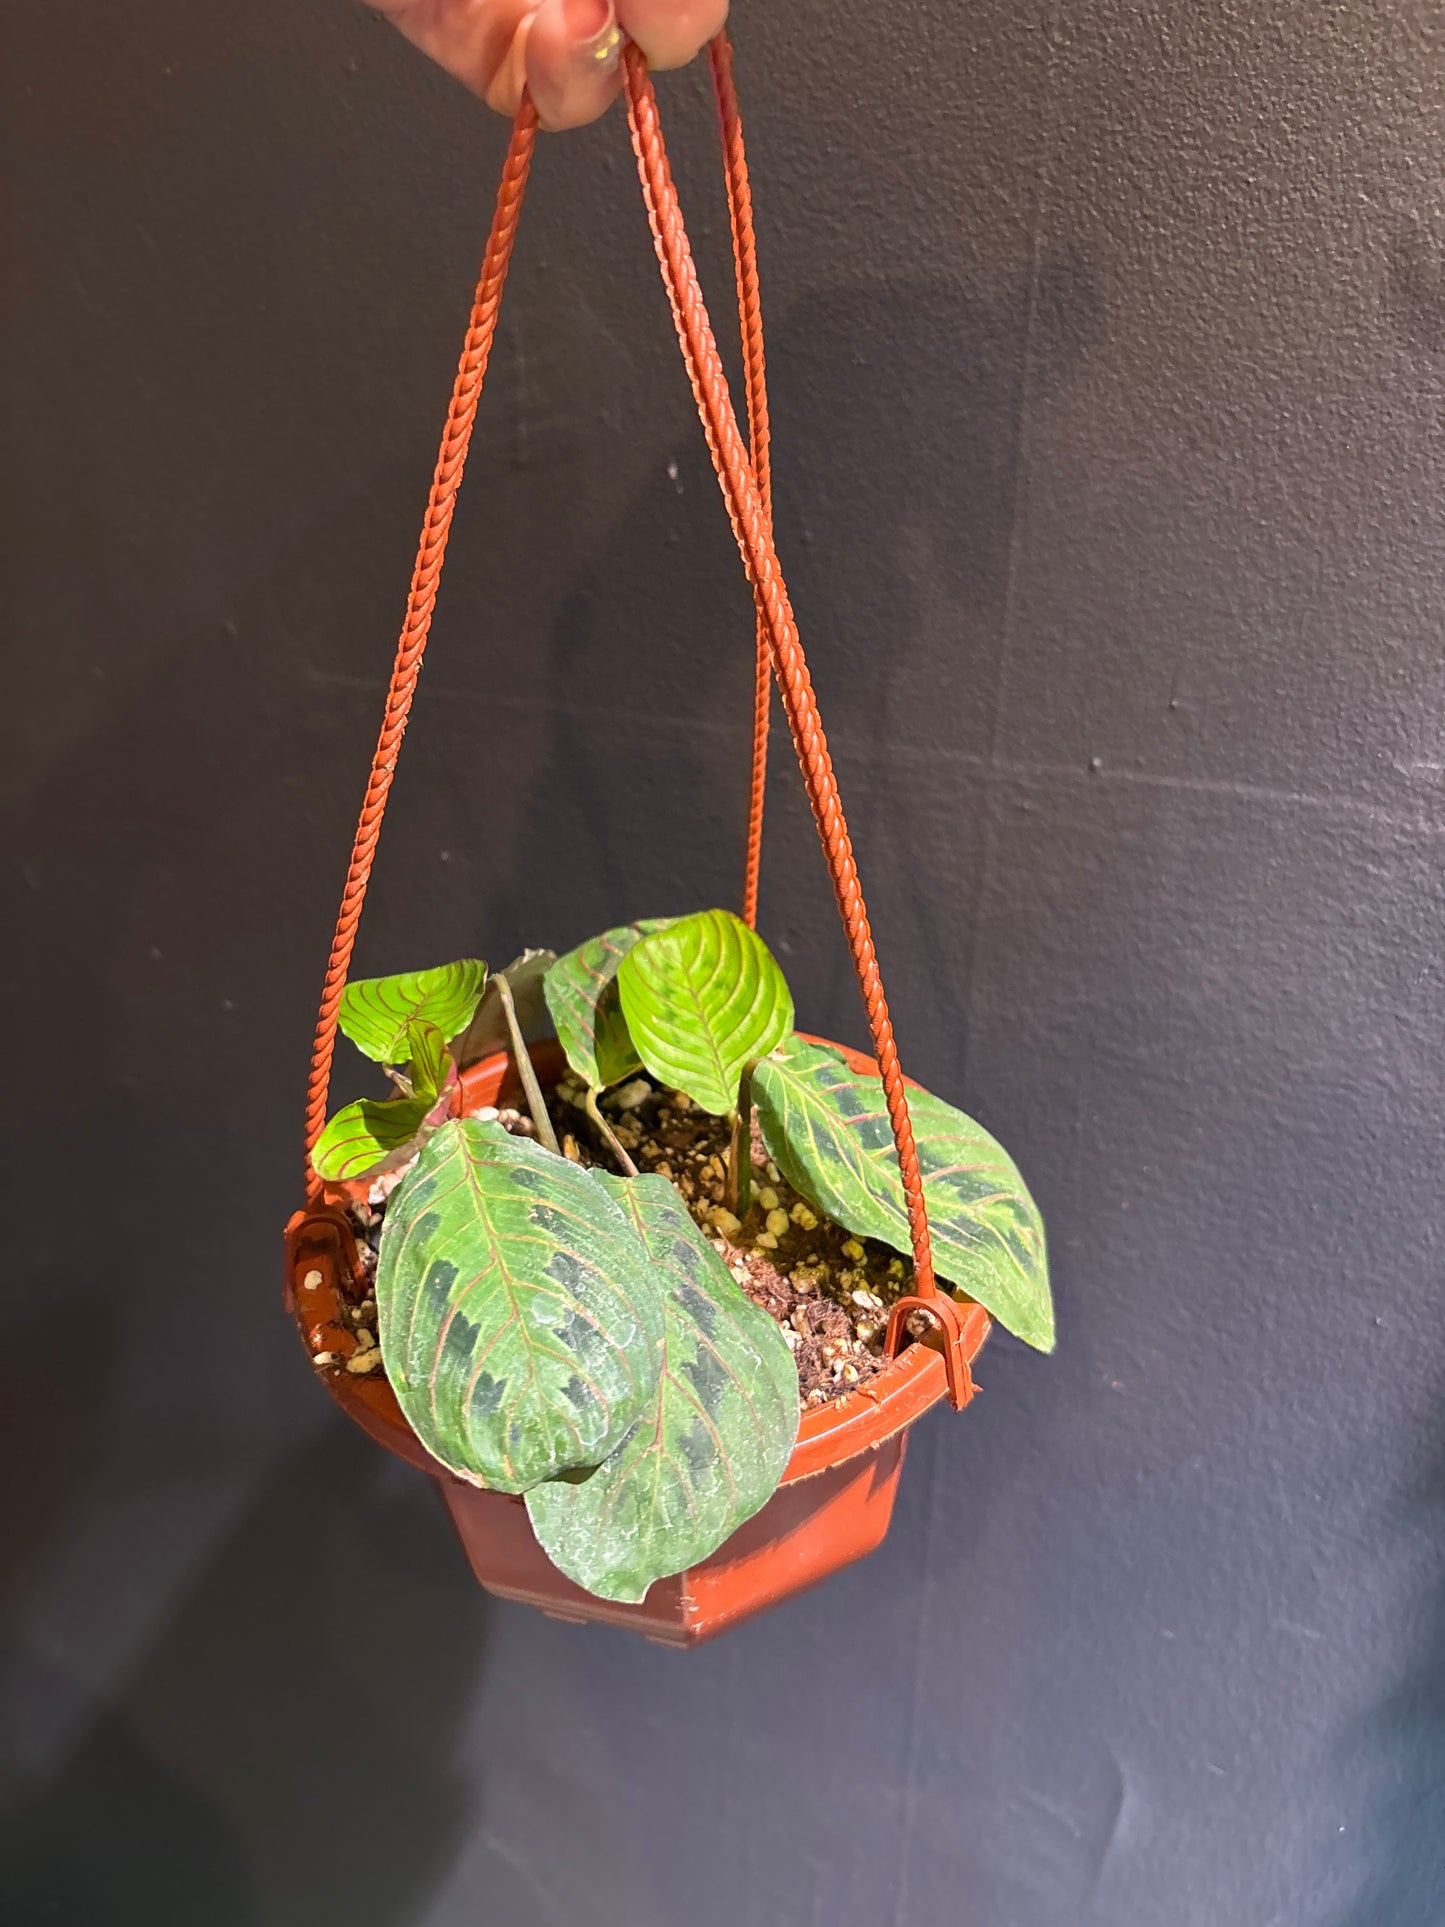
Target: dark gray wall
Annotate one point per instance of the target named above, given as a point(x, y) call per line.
point(1108, 354)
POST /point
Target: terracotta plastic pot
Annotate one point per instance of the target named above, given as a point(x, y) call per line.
point(833, 1506)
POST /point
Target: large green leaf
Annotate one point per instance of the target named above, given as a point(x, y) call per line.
point(703, 1000)
point(376, 1011)
point(488, 1031)
point(582, 997)
point(828, 1129)
point(712, 1448)
point(519, 1316)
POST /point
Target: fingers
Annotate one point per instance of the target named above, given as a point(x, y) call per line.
point(671, 32)
point(567, 52)
point(573, 60)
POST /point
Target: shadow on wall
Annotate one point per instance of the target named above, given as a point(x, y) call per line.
point(896, 507)
point(282, 1756)
point(1399, 1747)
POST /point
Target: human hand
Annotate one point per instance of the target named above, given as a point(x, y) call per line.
point(566, 52)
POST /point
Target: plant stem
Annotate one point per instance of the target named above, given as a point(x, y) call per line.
point(589, 1104)
point(536, 1104)
point(740, 1152)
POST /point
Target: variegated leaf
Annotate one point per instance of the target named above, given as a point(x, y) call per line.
point(519, 1315)
point(828, 1129)
point(715, 1442)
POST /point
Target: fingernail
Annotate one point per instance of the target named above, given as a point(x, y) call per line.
point(592, 24)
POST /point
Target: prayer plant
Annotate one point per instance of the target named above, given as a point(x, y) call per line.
point(571, 1334)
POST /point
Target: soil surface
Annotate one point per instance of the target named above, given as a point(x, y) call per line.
point(828, 1290)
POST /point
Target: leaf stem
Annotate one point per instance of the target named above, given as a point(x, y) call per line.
point(589, 1104)
point(740, 1151)
point(526, 1071)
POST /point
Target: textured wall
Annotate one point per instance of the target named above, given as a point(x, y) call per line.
point(1108, 352)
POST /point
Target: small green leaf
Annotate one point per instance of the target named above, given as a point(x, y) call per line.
point(582, 997)
point(429, 1064)
point(703, 1000)
point(520, 1319)
point(711, 1449)
point(487, 1031)
point(828, 1129)
point(378, 1134)
point(369, 1137)
point(375, 1012)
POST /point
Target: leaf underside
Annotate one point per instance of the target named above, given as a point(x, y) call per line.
point(582, 997)
point(519, 1317)
point(487, 1032)
point(703, 1000)
point(828, 1129)
point(375, 1012)
point(712, 1447)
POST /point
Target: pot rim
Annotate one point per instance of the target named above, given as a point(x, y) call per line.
point(319, 1238)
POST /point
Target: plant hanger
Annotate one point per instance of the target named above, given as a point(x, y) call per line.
point(743, 474)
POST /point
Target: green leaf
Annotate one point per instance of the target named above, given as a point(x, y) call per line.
point(487, 1031)
point(375, 1012)
point(371, 1136)
point(519, 1317)
point(582, 997)
point(377, 1134)
point(429, 1064)
point(827, 1127)
point(709, 1452)
point(703, 1000)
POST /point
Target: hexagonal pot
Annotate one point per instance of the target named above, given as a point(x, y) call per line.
point(833, 1506)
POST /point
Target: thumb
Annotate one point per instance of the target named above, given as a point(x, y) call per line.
point(573, 56)
point(671, 32)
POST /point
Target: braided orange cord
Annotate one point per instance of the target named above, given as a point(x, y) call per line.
point(431, 552)
point(748, 510)
point(750, 314)
point(750, 525)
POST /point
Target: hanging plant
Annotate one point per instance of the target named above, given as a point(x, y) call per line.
point(597, 1339)
point(652, 1282)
